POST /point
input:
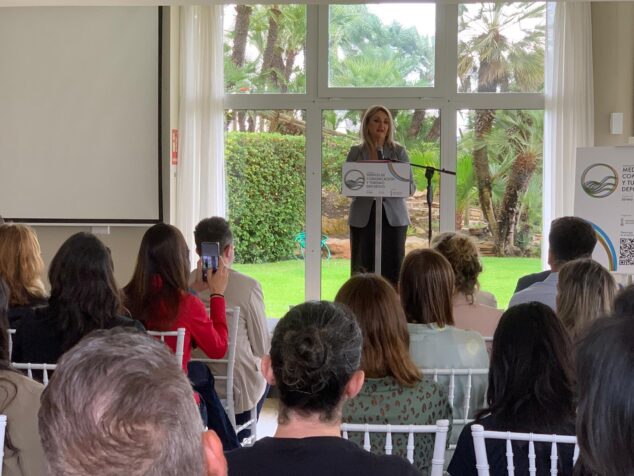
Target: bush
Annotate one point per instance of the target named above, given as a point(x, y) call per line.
point(265, 183)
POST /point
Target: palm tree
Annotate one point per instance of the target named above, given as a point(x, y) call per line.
point(498, 64)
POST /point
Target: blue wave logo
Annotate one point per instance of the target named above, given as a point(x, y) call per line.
point(599, 180)
point(354, 179)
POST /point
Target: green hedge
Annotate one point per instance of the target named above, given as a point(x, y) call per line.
point(265, 184)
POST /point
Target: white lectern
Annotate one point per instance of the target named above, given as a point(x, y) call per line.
point(376, 179)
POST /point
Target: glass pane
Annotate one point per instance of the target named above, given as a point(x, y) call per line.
point(419, 131)
point(501, 47)
point(264, 48)
point(265, 169)
point(499, 189)
point(378, 45)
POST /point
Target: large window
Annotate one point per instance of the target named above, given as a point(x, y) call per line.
point(315, 69)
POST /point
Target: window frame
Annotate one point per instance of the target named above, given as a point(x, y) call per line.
point(318, 97)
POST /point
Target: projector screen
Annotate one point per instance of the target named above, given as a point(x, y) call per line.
point(80, 114)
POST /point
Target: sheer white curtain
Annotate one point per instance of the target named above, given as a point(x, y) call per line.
point(569, 115)
point(200, 180)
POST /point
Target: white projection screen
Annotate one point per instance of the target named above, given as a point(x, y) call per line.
point(80, 114)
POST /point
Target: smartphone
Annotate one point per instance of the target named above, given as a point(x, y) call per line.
point(209, 254)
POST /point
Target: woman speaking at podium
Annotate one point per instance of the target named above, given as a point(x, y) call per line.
point(377, 143)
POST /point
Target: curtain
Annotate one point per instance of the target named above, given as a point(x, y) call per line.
point(569, 114)
point(200, 179)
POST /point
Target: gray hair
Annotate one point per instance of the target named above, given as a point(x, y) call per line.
point(119, 403)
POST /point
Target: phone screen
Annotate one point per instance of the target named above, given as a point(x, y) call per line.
point(209, 254)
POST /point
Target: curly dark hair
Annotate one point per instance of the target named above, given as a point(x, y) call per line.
point(462, 253)
point(315, 350)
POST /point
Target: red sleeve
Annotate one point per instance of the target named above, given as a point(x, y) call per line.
point(210, 334)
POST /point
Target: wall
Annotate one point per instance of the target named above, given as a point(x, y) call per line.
point(613, 63)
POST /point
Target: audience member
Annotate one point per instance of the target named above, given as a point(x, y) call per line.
point(605, 413)
point(530, 390)
point(21, 266)
point(394, 391)
point(119, 404)
point(19, 402)
point(84, 297)
point(569, 238)
point(426, 287)
point(314, 361)
point(624, 302)
point(585, 292)
point(157, 295)
point(249, 386)
point(472, 308)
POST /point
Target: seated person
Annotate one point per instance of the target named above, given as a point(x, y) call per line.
point(426, 288)
point(569, 238)
point(19, 401)
point(394, 390)
point(84, 297)
point(21, 267)
point(118, 404)
point(249, 386)
point(624, 302)
point(585, 292)
point(472, 308)
point(314, 361)
point(605, 410)
point(158, 296)
point(531, 389)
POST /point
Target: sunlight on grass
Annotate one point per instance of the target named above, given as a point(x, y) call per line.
point(283, 282)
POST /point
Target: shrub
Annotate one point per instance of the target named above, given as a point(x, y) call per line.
point(265, 183)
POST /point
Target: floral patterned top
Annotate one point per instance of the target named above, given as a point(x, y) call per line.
point(384, 400)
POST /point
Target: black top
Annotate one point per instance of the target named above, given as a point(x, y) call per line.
point(530, 279)
point(16, 313)
point(463, 462)
point(314, 456)
point(37, 339)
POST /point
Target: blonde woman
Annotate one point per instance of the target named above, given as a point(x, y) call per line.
point(585, 291)
point(472, 308)
point(377, 143)
point(21, 267)
point(394, 391)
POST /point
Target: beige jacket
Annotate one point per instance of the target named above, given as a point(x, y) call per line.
point(252, 343)
point(475, 316)
point(20, 402)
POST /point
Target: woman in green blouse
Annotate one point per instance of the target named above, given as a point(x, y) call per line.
point(394, 391)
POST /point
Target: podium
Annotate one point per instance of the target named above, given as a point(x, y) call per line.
point(376, 179)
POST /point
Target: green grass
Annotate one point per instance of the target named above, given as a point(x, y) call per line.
point(283, 282)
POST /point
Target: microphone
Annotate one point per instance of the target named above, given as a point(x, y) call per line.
point(379, 153)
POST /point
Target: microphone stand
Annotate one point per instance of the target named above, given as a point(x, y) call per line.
point(429, 174)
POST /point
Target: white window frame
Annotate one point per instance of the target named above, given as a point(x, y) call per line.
point(319, 97)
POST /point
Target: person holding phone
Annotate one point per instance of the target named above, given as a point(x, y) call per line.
point(158, 296)
point(377, 143)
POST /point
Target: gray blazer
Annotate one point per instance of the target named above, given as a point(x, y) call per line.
point(394, 208)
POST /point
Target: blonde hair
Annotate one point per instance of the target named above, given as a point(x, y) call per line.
point(462, 253)
point(426, 286)
point(378, 312)
point(21, 263)
point(585, 291)
point(366, 141)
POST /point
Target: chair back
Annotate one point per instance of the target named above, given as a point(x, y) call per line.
point(440, 429)
point(3, 427)
point(11, 332)
point(482, 462)
point(233, 318)
point(44, 368)
point(180, 341)
point(466, 405)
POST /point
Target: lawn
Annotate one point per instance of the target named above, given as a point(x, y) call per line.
point(283, 282)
